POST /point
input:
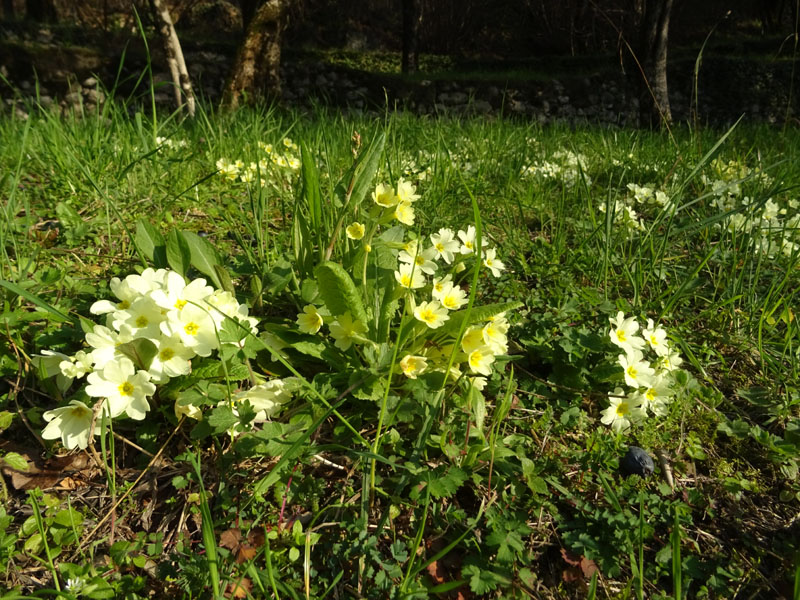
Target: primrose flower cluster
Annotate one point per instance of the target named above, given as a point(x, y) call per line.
point(180, 319)
point(774, 224)
point(281, 159)
point(427, 276)
point(564, 165)
point(648, 362)
point(640, 197)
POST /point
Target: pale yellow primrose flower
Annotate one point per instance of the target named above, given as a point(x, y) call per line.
point(409, 277)
point(670, 361)
point(638, 372)
point(622, 412)
point(472, 339)
point(452, 297)
point(124, 389)
point(404, 213)
point(143, 318)
point(384, 196)
point(431, 313)
point(171, 359)
point(623, 333)
point(657, 395)
point(423, 259)
point(445, 244)
point(309, 321)
point(440, 284)
point(480, 360)
point(345, 330)
point(196, 328)
point(190, 411)
point(406, 191)
point(413, 365)
point(468, 240)
point(176, 293)
point(656, 337)
point(71, 423)
point(104, 342)
point(266, 398)
point(76, 366)
point(494, 335)
point(355, 231)
point(495, 265)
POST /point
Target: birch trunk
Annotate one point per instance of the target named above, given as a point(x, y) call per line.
point(174, 54)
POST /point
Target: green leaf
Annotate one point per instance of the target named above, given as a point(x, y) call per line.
point(311, 346)
point(15, 461)
point(141, 351)
point(221, 419)
point(34, 299)
point(204, 256)
point(179, 256)
point(360, 177)
point(481, 580)
point(69, 517)
point(339, 292)
point(5, 419)
point(68, 216)
point(446, 485)
point(225, 279)
point(151, 242)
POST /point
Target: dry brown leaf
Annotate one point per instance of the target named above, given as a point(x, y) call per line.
point(230, 539)
point(588, 567)
point(436, 572)
point(239, 589)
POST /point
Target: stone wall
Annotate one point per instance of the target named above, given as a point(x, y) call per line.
point(728, 88)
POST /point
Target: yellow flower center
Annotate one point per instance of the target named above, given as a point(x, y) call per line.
point(123, 305)
point(475, 358)
point(621, 335)
point(166, 354)
point(179, 304)
point(126, 389)
point(632, 371)
point(420, 260)
point(191, 328)
point(650, 394)
point(428, 315)
point(468, 245)
point(440, 247)
point(141, 321)
point(622, 409)
point(653, 340)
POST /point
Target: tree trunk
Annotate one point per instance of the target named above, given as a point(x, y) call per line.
point(256, 72)
point(412, 17)
point(654, 109)
point(174, 54)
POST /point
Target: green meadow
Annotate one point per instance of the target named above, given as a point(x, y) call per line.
point(419, 355)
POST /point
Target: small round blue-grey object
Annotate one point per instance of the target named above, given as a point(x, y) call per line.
point(637, 462)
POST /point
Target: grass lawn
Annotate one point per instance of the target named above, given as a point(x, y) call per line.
point(353, 403)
